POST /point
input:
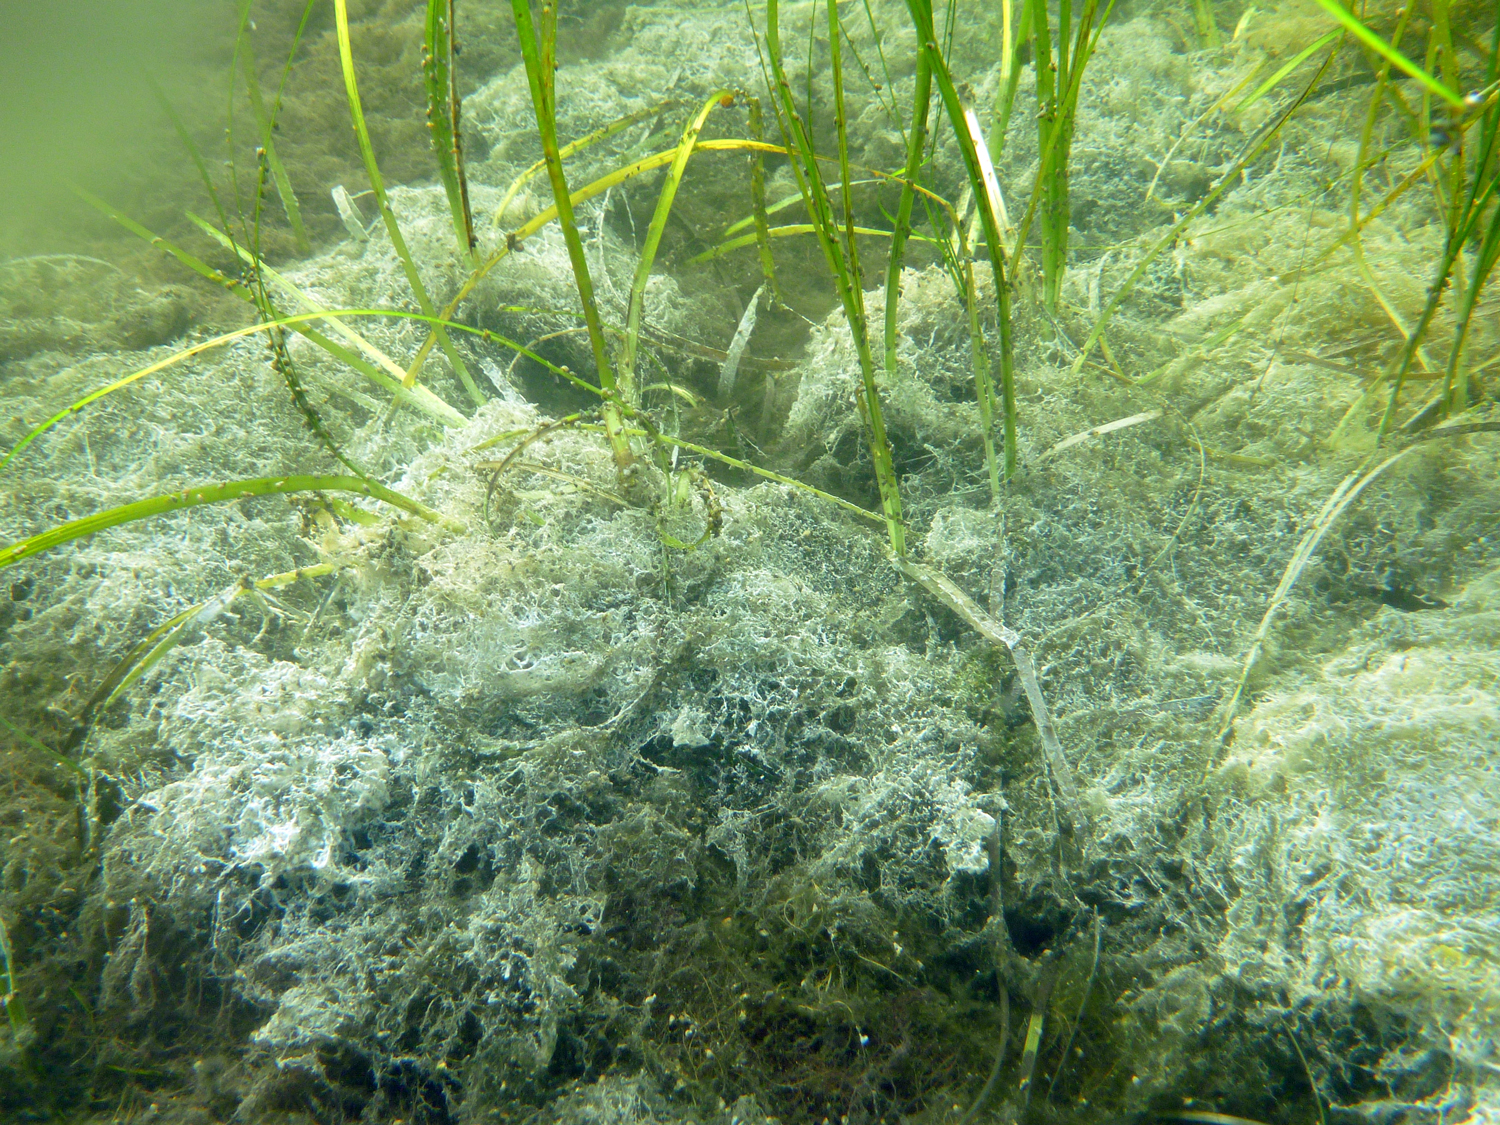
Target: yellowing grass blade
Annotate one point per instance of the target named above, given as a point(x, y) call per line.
point(207, 345)
point(418, 397)
point(307, 303)
point(213, 494)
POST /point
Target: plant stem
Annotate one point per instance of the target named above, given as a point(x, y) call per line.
point(916, 142)
point(393, 229)
point(820, 211)
point(265, 122)
point(443, 111)
point(921, 14)
point(540, 57)
point(637, 306)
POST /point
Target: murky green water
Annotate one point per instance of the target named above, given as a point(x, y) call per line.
point(399, 729)
point(78, 107)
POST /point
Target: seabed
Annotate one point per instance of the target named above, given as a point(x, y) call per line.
point(421, 757)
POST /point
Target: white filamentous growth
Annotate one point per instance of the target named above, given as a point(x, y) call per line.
point(987, 170)
point(731, 368)
point(349, 214)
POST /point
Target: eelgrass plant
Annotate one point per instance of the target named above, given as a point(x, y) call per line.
point(444, 111)
point(250, 285)
point(1468, 201)
point(1059, 76)
point(539, 53)
point(387, 215)
point(1472, 220)
point(833, 223)
point(986, 206)
point(1463, 137)
point(840, 252)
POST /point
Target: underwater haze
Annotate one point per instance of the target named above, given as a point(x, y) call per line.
point(76, 106)
point(688, 563)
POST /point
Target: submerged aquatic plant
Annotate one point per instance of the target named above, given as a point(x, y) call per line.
point(539, 53)
point(444, 113)
point(1063, 54)
point(388, 216)
point(840, 250)
point(1059, 81)
point(658, 467)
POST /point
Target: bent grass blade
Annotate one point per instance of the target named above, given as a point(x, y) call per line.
point(58, 758)
point(295, 322)
point(298, 323)
point(308, 304)
point(418, 397)
point(214, 494)
point(1292, 64)
point(1345, 494)
point(170, 633)
point(567, 150)
point(789, 231)
point(582, 195)
point(943, 588)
